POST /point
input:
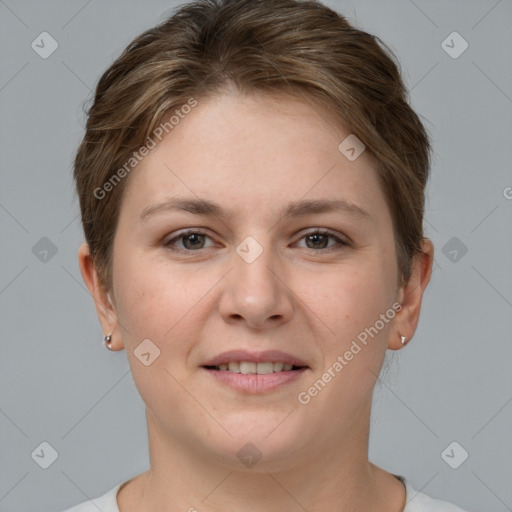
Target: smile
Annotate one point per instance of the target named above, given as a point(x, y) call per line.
point(247, 367)
point(252, 381)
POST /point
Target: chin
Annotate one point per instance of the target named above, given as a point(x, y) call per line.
point(261, 442)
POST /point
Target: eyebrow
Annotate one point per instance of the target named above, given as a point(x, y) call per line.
point(294, 209)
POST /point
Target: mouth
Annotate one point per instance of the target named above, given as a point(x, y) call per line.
point(255, 372)
point(252, 368)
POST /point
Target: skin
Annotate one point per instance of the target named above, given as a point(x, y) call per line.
point(254, 155)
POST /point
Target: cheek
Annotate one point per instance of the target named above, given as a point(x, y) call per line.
point(355, 342)
point(153, 305)
point(352, 298)
point(161, 302)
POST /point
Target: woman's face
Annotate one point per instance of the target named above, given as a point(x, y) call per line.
point(252, 276)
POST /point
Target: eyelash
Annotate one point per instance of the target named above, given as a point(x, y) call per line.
point(340, 242)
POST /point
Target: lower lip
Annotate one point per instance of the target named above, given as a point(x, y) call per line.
point(255, 383)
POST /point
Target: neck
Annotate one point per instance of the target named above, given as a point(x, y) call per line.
point(338, 477)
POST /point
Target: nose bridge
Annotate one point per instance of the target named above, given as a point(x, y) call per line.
point(255, 291)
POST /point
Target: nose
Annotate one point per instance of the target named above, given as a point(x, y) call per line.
point(256, 293)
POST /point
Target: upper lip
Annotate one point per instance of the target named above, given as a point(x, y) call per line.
point(275, 356)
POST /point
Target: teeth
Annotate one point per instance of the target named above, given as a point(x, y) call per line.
point(234, 367)
point(264, 368)
point(246, 367)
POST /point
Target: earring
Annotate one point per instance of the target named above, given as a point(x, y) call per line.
point(107, 341)
point(403, 339)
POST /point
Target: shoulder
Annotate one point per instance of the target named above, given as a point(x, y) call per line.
point(416, 501)
point(106, 503)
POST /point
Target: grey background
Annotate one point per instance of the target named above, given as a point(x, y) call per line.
point(451, 383)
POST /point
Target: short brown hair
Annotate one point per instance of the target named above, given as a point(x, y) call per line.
point(290, 46)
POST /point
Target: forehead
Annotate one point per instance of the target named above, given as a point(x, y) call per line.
point(254, 152)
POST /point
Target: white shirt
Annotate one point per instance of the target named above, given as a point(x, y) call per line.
point(414, 502)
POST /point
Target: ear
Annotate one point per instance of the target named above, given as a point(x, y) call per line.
point(410, 295)
point(104, 305)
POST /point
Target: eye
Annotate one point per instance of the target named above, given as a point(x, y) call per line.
point(191, 239)
point(319, 239)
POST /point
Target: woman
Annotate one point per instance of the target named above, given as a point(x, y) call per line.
point(251, 184)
